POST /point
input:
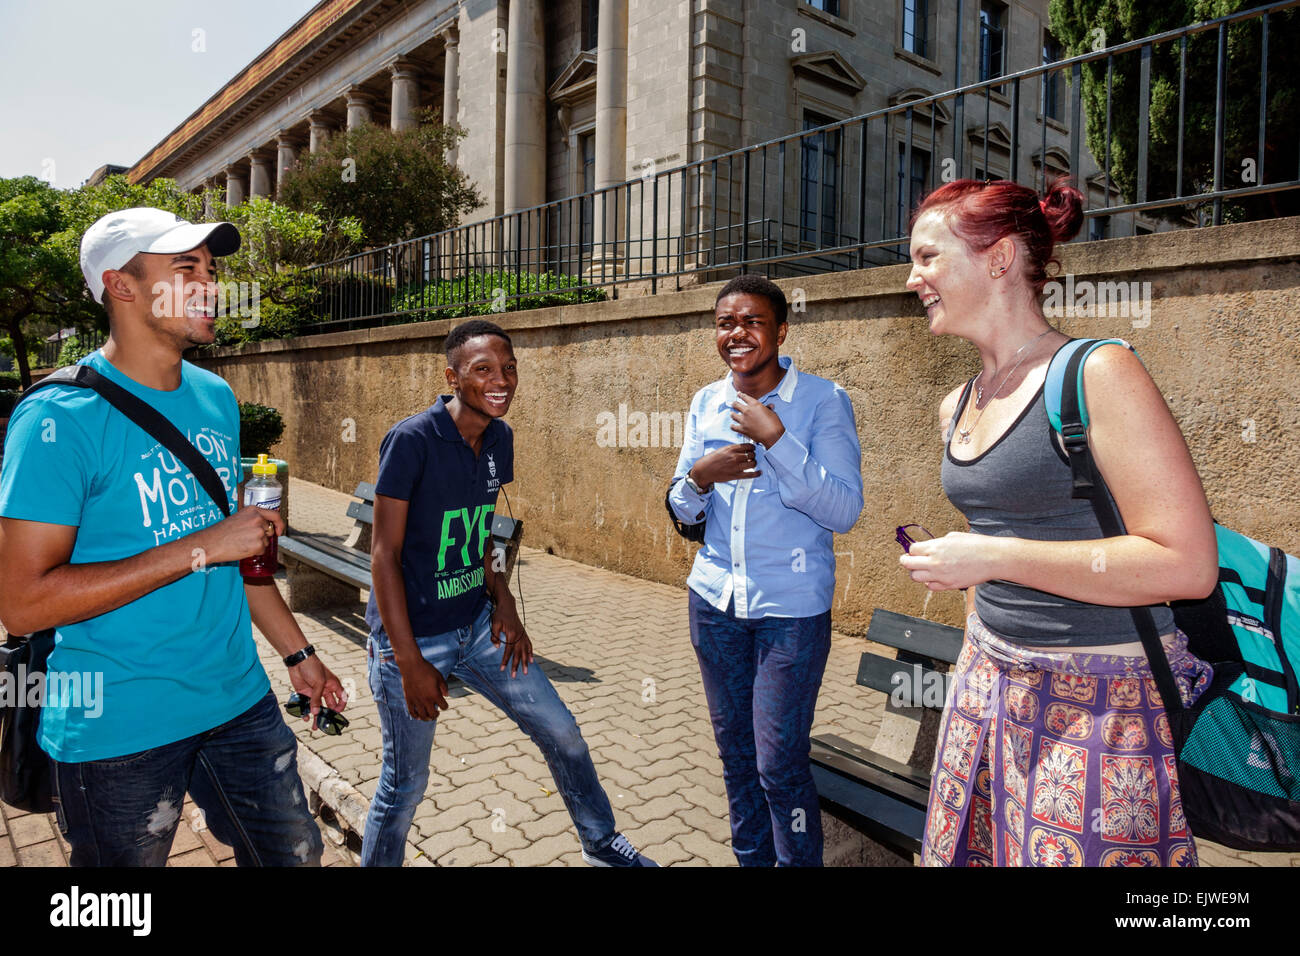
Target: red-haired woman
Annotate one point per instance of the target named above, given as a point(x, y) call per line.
point(1054, 748)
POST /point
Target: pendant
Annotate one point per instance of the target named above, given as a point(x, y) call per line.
point(963, 436)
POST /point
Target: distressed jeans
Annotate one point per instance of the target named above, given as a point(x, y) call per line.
point(528, 699)
point(761, 679)
point(243, 775)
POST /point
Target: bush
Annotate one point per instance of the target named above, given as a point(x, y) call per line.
point(10, 381)
point(260, 427)
point(490, 293)
point(72, 351)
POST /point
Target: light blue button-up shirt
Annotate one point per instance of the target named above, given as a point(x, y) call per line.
point(768, 540)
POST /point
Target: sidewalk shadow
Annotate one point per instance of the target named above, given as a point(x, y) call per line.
point(350, 622)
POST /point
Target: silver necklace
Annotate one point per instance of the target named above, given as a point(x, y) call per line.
point(963, 434)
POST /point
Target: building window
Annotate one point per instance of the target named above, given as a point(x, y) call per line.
point(993, 17)
point(916, 34)
point(587, 150)
point(819, 165)
point(1053, 103)
point(919, 176)
point(590, 24)
point(826, 6)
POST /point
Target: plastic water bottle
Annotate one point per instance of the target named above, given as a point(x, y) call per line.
point(262, 490)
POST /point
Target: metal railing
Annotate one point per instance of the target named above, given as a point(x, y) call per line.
point(834, 197)
point(48, 354)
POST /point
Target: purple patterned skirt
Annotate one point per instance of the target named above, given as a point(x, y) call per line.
point(1053, 758)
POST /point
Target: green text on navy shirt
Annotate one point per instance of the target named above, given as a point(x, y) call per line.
point(452, 496)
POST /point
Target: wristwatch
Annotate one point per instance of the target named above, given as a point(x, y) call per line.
point(696, 488)
point(297, 657)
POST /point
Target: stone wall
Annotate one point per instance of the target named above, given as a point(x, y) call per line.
point(1223, 344)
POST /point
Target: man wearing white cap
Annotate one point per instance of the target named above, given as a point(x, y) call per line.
point(108, 538)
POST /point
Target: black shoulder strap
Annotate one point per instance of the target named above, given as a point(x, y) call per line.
point(1074, 434)
point(148, 418)
point(1088, 483)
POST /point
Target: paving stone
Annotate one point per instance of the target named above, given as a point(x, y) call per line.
point(32, 829)
point(41, 854)
point(545, 850)
point(709, 850)
point(477, 853)
point(671, 853)
point(430, 819)
point(198, 857)
point(7, 855)
point(466, 794)
point(718, 828)
point(549, 825)
point(438, 845)
point(657, 808)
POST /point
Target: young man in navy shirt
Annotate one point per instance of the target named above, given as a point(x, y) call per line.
point(439, 608)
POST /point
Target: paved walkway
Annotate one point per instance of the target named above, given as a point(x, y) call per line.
point(617, 650)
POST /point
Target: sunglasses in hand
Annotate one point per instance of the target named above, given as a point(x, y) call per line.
point(902, 536)
point(329, 721)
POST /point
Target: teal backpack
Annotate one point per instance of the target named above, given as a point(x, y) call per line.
point(1238, 745)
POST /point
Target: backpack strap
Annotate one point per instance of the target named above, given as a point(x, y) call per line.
point(1067, 410)
point(147, 418)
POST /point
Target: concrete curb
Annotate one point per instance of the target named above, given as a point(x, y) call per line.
point(348, 803)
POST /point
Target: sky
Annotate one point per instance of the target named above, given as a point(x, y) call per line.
point(89, 82)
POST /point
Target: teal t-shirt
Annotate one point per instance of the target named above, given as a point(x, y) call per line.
point(179, 660)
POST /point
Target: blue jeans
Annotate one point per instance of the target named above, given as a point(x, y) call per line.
point(243, 775)
point(761, 679)
point(528, 699)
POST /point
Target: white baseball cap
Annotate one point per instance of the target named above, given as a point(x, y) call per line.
point(114, 239)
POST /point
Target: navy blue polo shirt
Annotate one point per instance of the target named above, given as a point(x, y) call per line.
point(452, 494)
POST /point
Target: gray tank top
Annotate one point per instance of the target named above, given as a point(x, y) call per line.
point(1021, 487)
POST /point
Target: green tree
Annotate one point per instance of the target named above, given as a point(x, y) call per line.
point(277, 244)
point(1081, 24)
point(39, 285)
point(395, 183)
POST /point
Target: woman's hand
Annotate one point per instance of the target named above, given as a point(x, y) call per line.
point(956, 561)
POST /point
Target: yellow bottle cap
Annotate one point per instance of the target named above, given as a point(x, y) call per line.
point(264, 467)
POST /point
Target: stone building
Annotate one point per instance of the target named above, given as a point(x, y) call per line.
point(565, 97)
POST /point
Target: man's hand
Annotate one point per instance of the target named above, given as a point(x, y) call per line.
point(424, 688)
point(507, 630)
point(756, 421)
point(243, 535)
point(726, 464)
point(312, 678)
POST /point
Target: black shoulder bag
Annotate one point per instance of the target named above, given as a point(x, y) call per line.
point(25, 769)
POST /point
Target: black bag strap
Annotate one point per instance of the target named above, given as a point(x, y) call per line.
point(148, 418)
point(1088, 483)
point(691, 532)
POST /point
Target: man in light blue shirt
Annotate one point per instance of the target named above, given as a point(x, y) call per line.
point(771, 464)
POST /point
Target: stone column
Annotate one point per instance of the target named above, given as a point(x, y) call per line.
point(235, 190)
point(359, 103)
point(259, 174)
point(611, 122)
point(319, 128)
point(450, 78)
point(286, 154)
point(525, 139)
point(406, 94)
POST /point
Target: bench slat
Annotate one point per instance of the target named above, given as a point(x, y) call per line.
point(939, 641)
point(867, 798)
point(926, 687)
point(322, 561)
point(365, 491)
point(361, 512)
point(333, 548)
point(913, 783)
